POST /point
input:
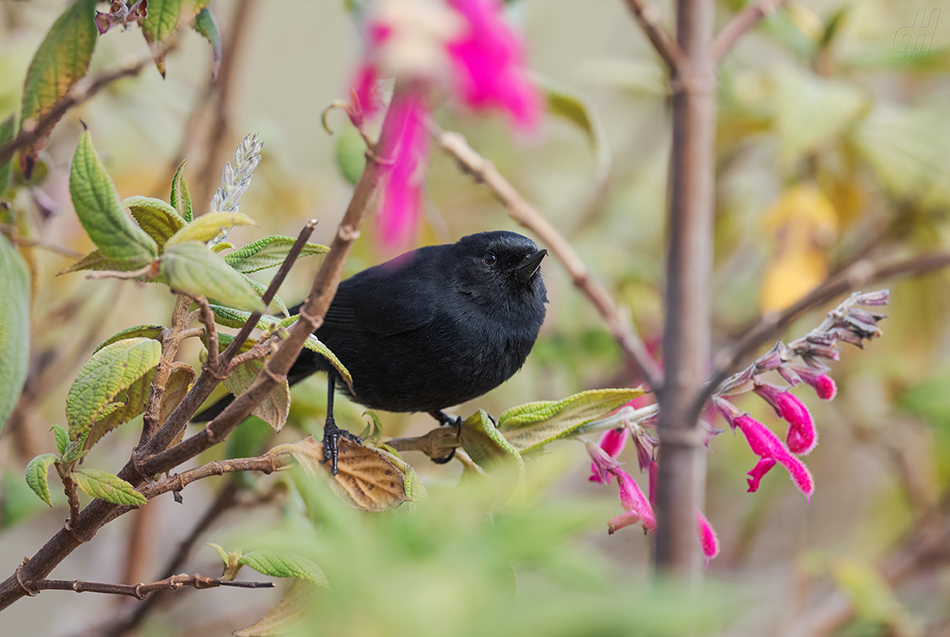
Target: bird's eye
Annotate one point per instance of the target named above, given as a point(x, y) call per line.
point(490, 258)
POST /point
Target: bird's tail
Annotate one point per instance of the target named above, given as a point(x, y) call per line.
point(212, 412)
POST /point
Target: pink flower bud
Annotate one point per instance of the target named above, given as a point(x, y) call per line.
point(880, 297)
point(818, 378)
point(707, 537)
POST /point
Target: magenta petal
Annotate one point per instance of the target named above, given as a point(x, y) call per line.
point(632, 499)
point(366, 101)
point(707, 537)
point(802, 436)
point(402, 192)
point(761, 468)
point(624, 519)
point(799, 473)
point(613, 441)
point(611, 444)
point(825, 387)
point(489, 61)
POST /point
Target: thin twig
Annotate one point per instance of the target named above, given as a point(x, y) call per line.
point(141, 591)
point(648, 16)
point(265, 464)
point(211, 331)
point(81, 92)
point(770, 326)
point(437, 443)
point(743, 21)
point(527, 215)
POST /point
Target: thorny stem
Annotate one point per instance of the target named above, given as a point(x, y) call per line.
point(527, 215)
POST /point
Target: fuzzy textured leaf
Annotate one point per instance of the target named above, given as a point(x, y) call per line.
point(97, 205)
point(260, 288)
point(7, 130)
point(207, 227)
point(206, 25)
point(111, 370)
point(95, 260)
point(144, 331)
point(105, 486)
point(37, 475)
point(14, 327)
point(267, 253)
point(276, 405)
point(61, 437)
point(366, 479)
point(129, 404)
point(489, 449)
point(164, 18)
point(284, 565)
point(534, 425)
point(157, 218)
point(61, 60)
point(180, 196)
point(194, 269)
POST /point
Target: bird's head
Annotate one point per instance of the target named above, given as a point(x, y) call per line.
point(502, 270)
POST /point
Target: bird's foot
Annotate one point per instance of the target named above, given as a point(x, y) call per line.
point(331, 438)
point(444, 420)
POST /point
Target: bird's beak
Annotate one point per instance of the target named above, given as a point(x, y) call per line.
point(530, 265)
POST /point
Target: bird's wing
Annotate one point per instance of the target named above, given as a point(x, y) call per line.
point(383, 301)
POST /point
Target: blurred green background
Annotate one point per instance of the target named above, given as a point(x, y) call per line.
point(833, 145)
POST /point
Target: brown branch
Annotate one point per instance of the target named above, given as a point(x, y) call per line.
point(81, 92)
point(324, 287)
point(141, 591)
point(265, 464)
point(743, 21)
point(71, 496)
point(171, 342)
point(648, 16)
point(521, 210)
point(438, 443)
point(211, 331)
point(771, 326)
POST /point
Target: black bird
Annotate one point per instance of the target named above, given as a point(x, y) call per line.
point(432, 328)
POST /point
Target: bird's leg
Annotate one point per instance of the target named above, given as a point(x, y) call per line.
point(445, 419)
point(332, 433)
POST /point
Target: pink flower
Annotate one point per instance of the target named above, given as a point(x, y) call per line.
point(611, 444)
point(770, 449)
point(707, 537)
point(489, 63)
point(402, 191)
point(802, 437)
point(365, 100)
point(637, 507)
point(816, 377)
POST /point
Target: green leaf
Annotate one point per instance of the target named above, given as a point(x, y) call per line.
point(158, 219)
point(180, 197)
point(129, 403)
point(578, 109)
point(164, 18)
point(221, 246)
point(229, 317)
point(96, 261)
point(97, 205)
point(261, 289)
point(351, 154)
point(276, 405)
point(62, 438)
point(61, 60)
point(111, 370)
point(206, 25)
point(489, 449)
point(105, 486)
point(36, 475)
point(207, 227)
point(284, 565)
point(534, 425)
point(314, 344)
point(194, 269)
point(146, 331)
point(811, 110)
point(7, 130)
point(14, 327)
point(268, 252)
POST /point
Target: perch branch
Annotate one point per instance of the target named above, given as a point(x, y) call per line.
point(648, 17)
point(521, 210)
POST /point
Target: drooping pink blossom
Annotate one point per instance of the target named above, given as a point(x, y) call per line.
point(802, 437)
point(365, 99)
point(489, 63)
point(402, 191)
point(708, 539)
point(769, 447)
point(611, 443)
point(816, 377)
point(636, 505)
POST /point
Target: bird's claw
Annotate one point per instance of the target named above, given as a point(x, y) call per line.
point(446, 420)
point(331, 438)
